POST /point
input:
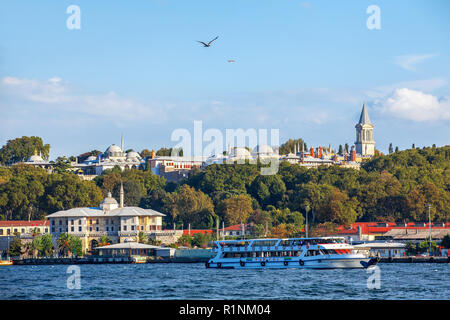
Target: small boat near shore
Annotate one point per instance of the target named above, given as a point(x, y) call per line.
point(6, 262)
point(311, 253)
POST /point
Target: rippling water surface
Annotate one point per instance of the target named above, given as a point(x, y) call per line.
point(194, 281)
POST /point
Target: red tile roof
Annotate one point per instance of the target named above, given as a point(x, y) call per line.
point(236, 227)
point(18, 223)
point(192, 232)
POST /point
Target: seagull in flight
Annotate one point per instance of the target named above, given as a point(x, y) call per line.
point(209, 43)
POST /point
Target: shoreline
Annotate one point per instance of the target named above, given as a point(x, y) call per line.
point(129, 260)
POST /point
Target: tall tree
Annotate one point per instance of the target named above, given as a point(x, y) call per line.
point(235, 209)
point(187, 205)
point(290, 146)
point(20, 149)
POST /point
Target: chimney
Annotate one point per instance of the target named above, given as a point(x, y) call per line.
point(354, 155)
point(121, 195)
point(153, 154)
point(311, 152)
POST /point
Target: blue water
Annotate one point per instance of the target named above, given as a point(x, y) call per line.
point(194, 281)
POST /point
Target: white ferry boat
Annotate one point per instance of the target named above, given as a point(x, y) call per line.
point(315, 253)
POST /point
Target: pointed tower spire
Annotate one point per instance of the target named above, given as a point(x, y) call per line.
point(364, 118)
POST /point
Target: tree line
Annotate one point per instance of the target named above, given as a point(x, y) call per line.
point(394, 187)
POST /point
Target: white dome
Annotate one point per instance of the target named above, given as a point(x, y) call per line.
point(91, 158)
point(239, 152)
point(113, 148)
point(35, 158)
point(263, 149)
point(133, 155)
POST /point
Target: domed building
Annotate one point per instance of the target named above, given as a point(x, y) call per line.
point(261, 151)
point(37, 161)
point(239, 153)
point(110, 218)
point(114, 151)
point(112, 157)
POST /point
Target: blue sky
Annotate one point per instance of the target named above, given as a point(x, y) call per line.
point(303, 67)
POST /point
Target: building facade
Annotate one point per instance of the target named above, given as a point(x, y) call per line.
point(116, 221)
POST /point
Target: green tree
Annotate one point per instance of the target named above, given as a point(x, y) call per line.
point(15, 248)
point(235, 209)
point(289, 146)
point(20, 149)
point(63, 243)
point(268, 190)
point(46, 245)
point(75, 246)
point(187, 205)
point(66, 191)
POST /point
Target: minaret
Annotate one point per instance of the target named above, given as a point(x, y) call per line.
point(121, 195)
point(303, 152)
point(365, 145)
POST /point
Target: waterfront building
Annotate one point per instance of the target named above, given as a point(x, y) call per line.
point(25, 230)
point(10, 228)
point(114, 220)
point(384, 249)
point(129, 248)
point(236, 230)
point(371, 231)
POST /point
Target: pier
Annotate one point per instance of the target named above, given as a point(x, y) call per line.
point(413, 259)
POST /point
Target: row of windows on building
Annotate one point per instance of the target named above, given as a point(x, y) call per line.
point(8, 232)
point(109, 228)
point(90, 222)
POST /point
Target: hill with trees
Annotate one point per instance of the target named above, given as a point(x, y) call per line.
point(394, 187)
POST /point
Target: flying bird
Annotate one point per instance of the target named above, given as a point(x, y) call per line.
point(231, 61)
point(209, 43)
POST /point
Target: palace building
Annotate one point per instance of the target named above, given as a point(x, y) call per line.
point(114, 220)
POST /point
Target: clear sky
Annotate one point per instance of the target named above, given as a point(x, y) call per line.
point(303, 67)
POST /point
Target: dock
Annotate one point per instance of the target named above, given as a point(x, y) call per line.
point(413, 259)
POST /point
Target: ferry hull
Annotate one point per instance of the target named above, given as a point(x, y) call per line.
point(343, 263)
